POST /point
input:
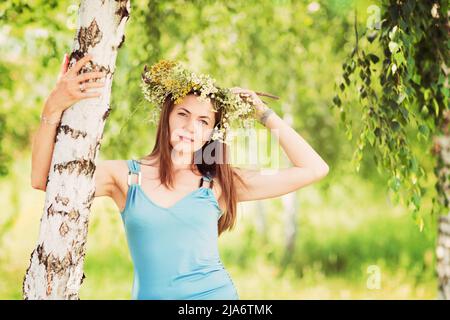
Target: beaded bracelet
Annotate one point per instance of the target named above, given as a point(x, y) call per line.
point(265, 115)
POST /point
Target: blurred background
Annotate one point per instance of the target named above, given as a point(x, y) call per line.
point(341, 238)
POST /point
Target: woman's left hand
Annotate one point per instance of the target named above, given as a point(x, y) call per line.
point(260, 106)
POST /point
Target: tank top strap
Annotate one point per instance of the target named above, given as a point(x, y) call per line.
point(133, 169)
point(207, 179)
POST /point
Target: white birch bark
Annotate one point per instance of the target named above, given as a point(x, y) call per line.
point(56, 263)
point(442, 145)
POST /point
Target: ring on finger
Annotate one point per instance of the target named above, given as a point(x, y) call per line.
point(82, 88)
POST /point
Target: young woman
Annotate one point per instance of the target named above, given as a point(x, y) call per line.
point(173, 205)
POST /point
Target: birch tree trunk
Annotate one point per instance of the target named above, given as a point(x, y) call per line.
point(442, 150)
point(56, 263)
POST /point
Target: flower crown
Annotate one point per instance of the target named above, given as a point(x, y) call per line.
point(170, 77)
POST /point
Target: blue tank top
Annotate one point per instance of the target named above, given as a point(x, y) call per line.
point(175, 250)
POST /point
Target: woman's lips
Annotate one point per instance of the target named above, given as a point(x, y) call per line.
point(186, 139)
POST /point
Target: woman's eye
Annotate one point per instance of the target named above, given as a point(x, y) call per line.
point(204, 122)
point(182, 114)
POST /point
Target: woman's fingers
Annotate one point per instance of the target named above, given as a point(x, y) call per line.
point(241, 91)
point(80, 63)
point(236, 89)
point(90, 94)
point(247, 94)
point(88, 85)
point(63, 68)
point(76, 93)
point(89, 75)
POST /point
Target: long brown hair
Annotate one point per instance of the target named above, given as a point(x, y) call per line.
point(220, 170)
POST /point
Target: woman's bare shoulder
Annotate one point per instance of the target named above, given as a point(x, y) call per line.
point(114, 164)
point(118, 169)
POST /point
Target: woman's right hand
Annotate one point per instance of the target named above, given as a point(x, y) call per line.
point(67, 89)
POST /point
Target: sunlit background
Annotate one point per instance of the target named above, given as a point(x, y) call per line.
point(342, 238)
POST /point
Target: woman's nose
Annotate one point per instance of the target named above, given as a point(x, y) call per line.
point(189, 126)
point(192, 126)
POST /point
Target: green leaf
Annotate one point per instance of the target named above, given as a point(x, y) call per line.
point(349, 133)
point(343, 115)
point(399, 58)
point(404, 112)
point(347, 80)
point(416, 200)
point(395, 125)
point(371, 137)
point(413, 165)
point(337, 101)
point(394, 184)
point(416, 78)
point(363, 94)
point(424, 130)
point(436, 107)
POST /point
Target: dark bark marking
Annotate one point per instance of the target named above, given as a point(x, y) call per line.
point(73, 215)
point(65, 263)
point(40, 252)
point(52, 266)
point(63, 200)
point(51, 211)
point(75, 134)
point(80, 166)
point(82, 278)
point(79, 249)
point(122, 11)
point(88, 201)
point(63, 229)
point(106, 114)
point(94, 149)
point(77, 55)
point(89, 66)
point(121, 42)
point(49, 283)
point(90, 36)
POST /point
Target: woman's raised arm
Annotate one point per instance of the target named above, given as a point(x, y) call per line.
point(307, 168)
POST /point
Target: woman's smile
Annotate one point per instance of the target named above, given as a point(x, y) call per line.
point(185, 139)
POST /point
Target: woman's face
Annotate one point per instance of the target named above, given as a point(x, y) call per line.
point(190, 123)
